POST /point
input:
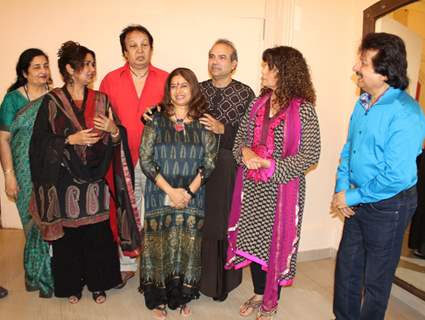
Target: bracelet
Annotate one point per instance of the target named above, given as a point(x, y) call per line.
point(67, 140)
point(191, 194)
point(115, 135)
point(7, 171)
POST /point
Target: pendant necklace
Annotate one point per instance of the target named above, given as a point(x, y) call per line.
point(179, 125)
point(139, 76)
point(27, 91)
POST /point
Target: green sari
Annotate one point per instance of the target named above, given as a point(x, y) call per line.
point(18, 116)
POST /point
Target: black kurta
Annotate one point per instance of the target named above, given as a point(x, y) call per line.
point(227, 105)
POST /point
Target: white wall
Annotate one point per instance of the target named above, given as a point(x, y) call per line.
point(183, 33)
point(327, 32)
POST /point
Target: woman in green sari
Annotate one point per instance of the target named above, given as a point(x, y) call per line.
point(17, 114)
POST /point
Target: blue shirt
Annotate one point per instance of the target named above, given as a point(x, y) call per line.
point(379, 157)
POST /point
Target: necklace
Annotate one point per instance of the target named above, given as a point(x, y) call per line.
point(179, 125)
point(139, 76)
point(27, 91)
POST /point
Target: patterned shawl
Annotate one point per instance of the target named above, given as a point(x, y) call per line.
point(88, 166)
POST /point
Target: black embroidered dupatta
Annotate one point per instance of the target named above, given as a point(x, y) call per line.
point(72, 184)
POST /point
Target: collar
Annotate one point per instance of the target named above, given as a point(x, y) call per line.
point(386, 97)
point(126, 69)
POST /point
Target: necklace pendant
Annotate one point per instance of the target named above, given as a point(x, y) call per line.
point(179, 125)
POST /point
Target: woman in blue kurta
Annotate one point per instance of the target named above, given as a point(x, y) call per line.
point(17, 115)
point(177, 154)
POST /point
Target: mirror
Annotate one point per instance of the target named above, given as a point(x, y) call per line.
point(407, 20)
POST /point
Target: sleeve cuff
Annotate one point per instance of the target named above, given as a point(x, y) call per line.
point(341, 185)
point(353, 197)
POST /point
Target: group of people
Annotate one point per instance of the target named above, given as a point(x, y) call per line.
point(201, 179)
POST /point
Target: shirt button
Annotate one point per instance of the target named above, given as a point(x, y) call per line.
point(360, 132)
point(351, 171)
point(354, 151)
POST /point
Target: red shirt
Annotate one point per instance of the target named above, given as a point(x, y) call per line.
point(119, 87)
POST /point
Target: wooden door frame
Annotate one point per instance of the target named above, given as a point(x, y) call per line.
point(380, 9)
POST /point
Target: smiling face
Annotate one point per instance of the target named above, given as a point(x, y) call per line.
point(180, 91)
point(367, 79)
point(87, 73)
point(38, 73)
point(138, 51)
point(220, 64)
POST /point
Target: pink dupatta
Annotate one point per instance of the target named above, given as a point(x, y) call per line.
point(284, 238)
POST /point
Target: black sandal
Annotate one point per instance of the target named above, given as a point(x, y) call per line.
point(75, 298)
point(99, 296)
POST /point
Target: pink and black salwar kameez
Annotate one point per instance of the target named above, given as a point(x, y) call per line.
point(265, 220)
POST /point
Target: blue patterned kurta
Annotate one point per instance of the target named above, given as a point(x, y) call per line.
point(172, 237)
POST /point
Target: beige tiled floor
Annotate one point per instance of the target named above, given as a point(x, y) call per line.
point(309, 299)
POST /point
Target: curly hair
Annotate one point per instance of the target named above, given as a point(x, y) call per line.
point(390, 59)
point(72, 53)
point(293, 76)
point(197, 103)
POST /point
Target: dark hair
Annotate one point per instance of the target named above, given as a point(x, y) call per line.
point(293, 77)
point(390, 59)
point(197, 103)
point(23, 65)
point(72, 53)
point(131, 28)
point(234, 54)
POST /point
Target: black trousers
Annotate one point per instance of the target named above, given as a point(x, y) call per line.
point(259, 279)
point(86, 255)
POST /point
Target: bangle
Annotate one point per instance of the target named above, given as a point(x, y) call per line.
point(116, 134)
point(7, 171)
point(67, 140)
point(191, 194)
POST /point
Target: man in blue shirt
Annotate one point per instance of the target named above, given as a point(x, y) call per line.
point(376, 179)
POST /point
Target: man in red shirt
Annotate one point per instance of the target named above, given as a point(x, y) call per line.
point(131, 89)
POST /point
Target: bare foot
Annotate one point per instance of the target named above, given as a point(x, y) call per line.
point(185, 311)
point(160, 312)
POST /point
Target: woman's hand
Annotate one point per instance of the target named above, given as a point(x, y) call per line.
point(107, 124)
point(212, 124)
point(11, 186)
point(179, 198)
point(250, 159)
point(253, 161)
point(83, 137)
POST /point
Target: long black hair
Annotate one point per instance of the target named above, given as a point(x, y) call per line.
point(22, 66)
point(390, 59)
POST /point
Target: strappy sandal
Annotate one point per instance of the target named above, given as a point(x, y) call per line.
point(99, 296)
point(265, 315)
point(250, 306)
point(75, 298)
point(125, 276)
point(162, 312)
point(185, 311)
